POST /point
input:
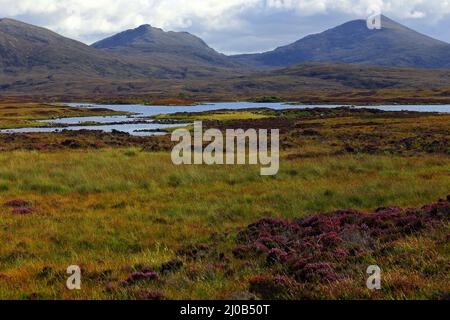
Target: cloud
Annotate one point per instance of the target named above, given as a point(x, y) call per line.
point(228, 25)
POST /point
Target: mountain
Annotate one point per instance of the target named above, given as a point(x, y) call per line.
point(393, 45)
point(154, 46)
point(32, 56)
point(27, 51)
point(149, 62)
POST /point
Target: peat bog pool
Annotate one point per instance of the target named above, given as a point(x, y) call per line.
point(139, 124)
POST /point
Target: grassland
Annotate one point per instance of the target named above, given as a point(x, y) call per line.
point(119, 208)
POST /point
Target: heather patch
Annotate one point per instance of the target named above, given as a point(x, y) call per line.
point(322, 249)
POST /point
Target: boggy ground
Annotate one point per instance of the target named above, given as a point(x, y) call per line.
point(142, 228)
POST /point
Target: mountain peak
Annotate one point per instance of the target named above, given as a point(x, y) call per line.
point(144, 26)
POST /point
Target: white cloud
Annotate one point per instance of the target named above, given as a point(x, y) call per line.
point(89, 20)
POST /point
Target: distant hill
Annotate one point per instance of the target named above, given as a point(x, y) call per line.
point(394, 45)
point(157, 47)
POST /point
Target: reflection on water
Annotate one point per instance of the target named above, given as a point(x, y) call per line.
point(140, 113)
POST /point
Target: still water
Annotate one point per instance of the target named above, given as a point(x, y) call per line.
point(140, 113)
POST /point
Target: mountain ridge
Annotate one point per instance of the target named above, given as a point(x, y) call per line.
point(25, 48)
point(146, 43)
point(352, 42)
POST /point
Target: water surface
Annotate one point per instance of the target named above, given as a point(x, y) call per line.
point(140, 113)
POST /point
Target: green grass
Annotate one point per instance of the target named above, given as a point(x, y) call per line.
point(110, 210)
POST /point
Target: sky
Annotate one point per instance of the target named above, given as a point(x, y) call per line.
point(229, 26)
